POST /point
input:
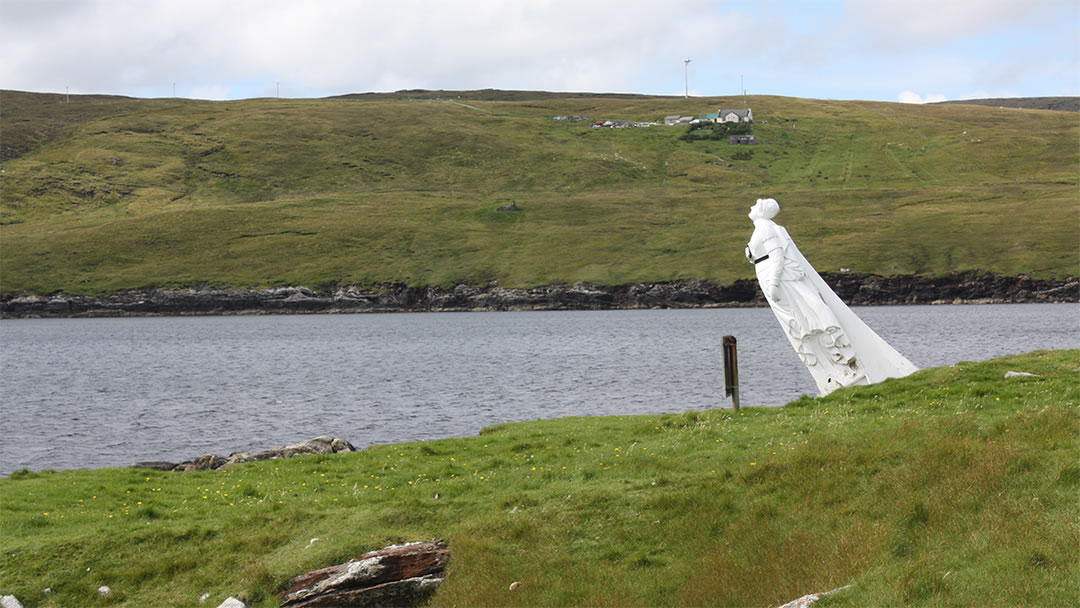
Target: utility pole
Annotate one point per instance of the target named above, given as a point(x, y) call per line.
point(686, 66)
point(278, 89)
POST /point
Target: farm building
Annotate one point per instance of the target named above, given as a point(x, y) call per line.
point(746, 115)
point(677, 120)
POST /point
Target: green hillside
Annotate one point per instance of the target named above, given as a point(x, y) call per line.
point(103, 194)
point(1064, 104)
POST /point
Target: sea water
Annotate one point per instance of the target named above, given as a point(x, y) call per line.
point(78, 393)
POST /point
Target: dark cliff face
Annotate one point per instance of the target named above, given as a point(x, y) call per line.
point(858, 289)
point(861, 289)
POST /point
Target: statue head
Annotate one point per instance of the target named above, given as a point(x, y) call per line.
point(765, 208)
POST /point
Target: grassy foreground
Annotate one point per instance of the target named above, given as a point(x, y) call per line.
point(954, 486)
point(106, 194)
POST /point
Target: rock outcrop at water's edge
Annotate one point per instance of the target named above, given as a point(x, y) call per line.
point(854, 288)
point(324, 444)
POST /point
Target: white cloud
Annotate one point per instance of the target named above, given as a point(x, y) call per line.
point(339, 46)
point(905, 22)
point(213, 92)
point(912, 97)
point(241, 48)
point(682, 92)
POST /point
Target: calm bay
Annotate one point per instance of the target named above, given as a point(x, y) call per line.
point(85, 393)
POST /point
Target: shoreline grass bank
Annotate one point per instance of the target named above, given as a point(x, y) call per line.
point(953, 486)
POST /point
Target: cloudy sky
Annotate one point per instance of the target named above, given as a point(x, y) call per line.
point(886, 50)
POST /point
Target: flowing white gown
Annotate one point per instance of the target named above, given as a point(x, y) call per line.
point(836, 346)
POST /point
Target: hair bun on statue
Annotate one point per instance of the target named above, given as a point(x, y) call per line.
point(769, 207)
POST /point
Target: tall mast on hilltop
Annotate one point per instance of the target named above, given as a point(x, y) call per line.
point(686, 66)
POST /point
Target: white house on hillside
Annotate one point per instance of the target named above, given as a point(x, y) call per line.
point(746, 115)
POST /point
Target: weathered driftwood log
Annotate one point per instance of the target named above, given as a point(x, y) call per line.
point(399, 575)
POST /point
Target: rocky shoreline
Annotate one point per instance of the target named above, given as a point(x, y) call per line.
point(853, 288)
point(323, 444)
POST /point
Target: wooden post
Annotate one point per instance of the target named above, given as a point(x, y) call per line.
point(731, 371)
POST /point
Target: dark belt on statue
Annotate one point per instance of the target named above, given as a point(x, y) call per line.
point(762, 258)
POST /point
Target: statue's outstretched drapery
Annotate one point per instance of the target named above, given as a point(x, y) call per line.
point(834, 344)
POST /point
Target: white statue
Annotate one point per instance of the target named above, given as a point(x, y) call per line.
point(834, 344)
